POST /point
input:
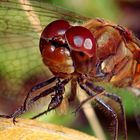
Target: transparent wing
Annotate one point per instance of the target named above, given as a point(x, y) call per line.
point(21, 22)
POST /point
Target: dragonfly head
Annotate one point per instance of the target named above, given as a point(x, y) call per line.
point(66, 49)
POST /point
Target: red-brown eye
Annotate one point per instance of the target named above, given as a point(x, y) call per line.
point(81, 39)
point(55, 28)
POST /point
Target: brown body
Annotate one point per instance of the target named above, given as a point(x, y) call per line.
point(98, 51)
point(118, 53)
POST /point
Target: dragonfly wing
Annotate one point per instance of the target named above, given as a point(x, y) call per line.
point(21, 23)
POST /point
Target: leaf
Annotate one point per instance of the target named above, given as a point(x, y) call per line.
point(33, 130)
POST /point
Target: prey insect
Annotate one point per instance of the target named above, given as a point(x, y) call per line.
point(95, 51)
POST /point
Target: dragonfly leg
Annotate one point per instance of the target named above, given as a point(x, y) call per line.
point(114, 97)
point(113, 115)
point(14, 115)
point(22, 108)
point(92, 89)
point(123, 118)
point(56, 99)
point(58, 89)
point(59, 86)
point(55, 102)
point(36, 87)
point(94, 92)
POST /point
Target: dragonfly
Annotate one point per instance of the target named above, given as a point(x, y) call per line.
point(105, 64)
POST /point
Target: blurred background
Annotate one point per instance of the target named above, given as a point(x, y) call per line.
point(21, 66)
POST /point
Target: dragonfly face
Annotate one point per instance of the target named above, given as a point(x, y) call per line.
point(67, 49)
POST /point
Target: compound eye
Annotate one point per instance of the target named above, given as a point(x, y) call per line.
point(81, 39)
point(52, 30)
point(55, 28)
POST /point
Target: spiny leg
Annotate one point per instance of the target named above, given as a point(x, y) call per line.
point(55, 89)
point(91, 90)
point(117, 99)
point(113, 97)
point(22, 109)
point(93, 97)
point(55, 101)
point(85, 83)
point(36, 87)
point(105, 106)
point(113, 115)
point(123, 118)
